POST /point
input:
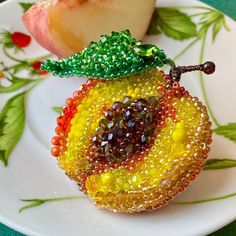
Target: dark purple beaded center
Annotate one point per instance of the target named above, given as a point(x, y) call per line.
point(125, 130)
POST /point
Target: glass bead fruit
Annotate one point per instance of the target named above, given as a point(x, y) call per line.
point(133, 143)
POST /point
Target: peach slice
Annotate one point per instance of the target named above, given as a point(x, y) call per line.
point(65, 27)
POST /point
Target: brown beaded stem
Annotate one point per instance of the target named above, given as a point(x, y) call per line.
point(208, 68)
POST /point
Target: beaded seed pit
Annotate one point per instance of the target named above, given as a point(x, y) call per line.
point(134, 143)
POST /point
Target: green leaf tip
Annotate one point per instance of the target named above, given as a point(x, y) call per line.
point(173, 23)
point(34, 202)
point(113, 56)
point(12, 121)
point(213, 199)
point(217, 164)
point(25, 5)
point(58, 110)
point(228, 131)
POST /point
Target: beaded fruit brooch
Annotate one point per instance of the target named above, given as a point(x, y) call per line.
point(131, 137)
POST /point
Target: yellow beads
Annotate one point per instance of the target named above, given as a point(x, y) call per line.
point(175, 154)
point(106, 178)
point(179, 134)
point(159, 159)
point(85, 122)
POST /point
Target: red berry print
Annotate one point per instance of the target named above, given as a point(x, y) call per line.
point(36, 65)
point(21, 40)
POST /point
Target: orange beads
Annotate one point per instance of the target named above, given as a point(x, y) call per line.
point(63, 121)
point(55, 151)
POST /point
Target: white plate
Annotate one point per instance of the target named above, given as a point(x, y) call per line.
point(33, 173)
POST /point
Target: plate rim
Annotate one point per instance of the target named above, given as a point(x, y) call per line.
point(27, 231)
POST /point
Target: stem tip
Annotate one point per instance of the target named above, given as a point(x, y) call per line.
point(209, 67)
point(176, 72)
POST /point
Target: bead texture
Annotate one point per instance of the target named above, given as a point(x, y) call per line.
point(114, 56)
point(134, 143)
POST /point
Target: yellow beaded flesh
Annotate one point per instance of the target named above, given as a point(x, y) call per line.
point(176, 155)
point(89, 112)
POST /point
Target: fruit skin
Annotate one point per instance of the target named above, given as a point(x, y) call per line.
point(150, 179)
point(40, 32)
point(66, 27)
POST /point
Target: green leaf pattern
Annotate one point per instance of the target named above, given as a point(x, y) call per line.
point(12, 116)
point(217, 164)
point(229, 131)
point(173, 23)
point(12, 120)
point(37, 201)
point(16, 84)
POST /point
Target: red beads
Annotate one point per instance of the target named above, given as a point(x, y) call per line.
point(56, 140)
point(90, 81)
point(60, 121)
point(59, 130)
point(76, 94)
point(55, 151)
point(69, 102)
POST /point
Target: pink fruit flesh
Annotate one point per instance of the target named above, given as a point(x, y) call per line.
point(40, 31)
point(65, 27)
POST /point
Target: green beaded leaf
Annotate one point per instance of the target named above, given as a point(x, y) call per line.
point(115, 55)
